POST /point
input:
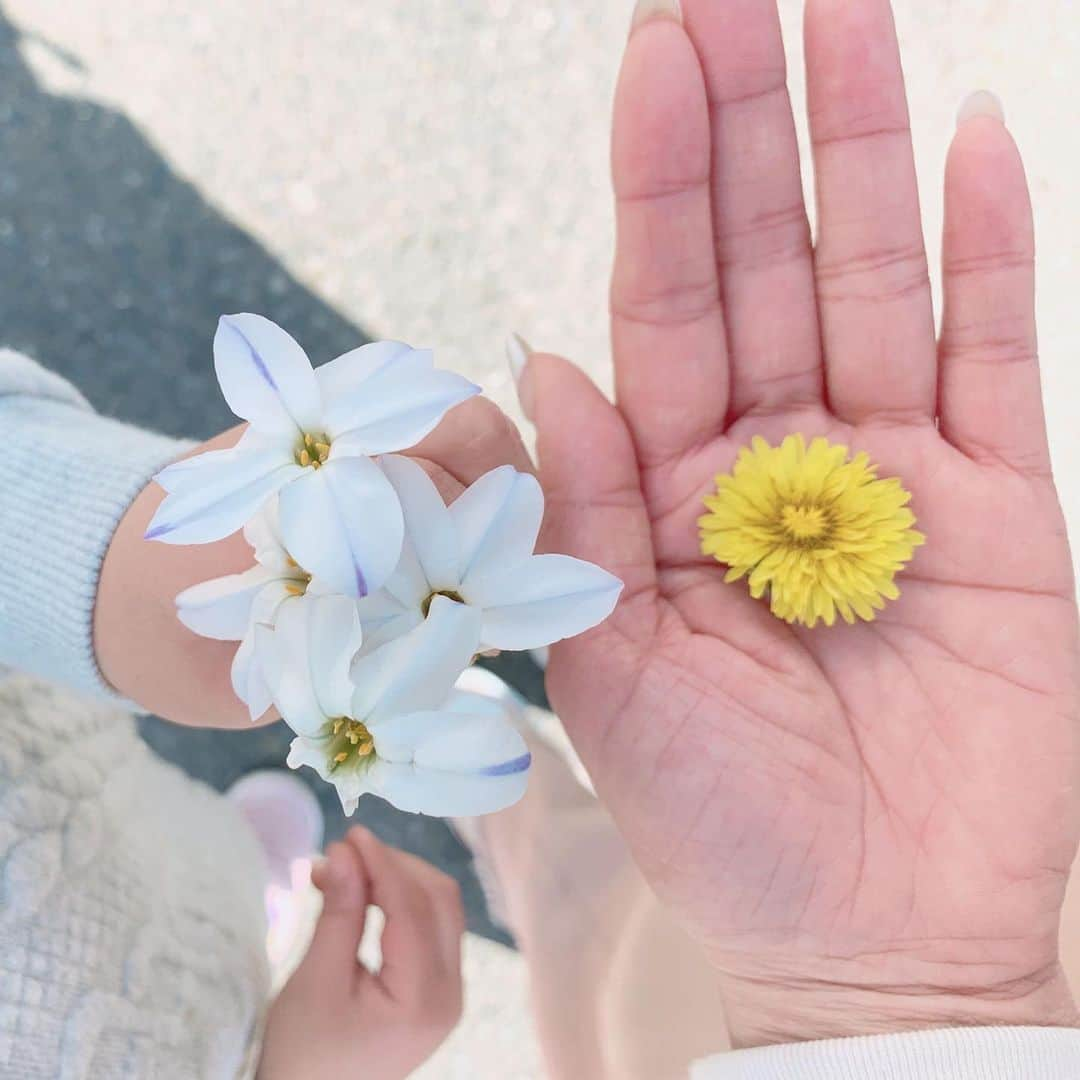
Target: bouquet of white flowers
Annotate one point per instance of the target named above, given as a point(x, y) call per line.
point(368, 596)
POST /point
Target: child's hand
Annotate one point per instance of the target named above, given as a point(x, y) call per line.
point(334, 1018)
point(149, 656)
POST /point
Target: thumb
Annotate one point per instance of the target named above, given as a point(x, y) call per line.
point(594, 510)
point(332, 954)
point(594, 505)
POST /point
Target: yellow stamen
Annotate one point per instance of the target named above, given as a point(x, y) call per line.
point(804, 522)
point(313, 451)
point(350, 741)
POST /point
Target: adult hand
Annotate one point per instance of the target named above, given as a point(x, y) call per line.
point(868, 827)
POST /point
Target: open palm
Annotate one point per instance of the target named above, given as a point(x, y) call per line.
point(887, 808)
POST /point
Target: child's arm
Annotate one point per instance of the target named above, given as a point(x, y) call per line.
point(85, 600)
point(334, 1018)
point(67, 475)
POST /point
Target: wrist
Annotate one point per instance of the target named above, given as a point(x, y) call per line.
point(770, 1009)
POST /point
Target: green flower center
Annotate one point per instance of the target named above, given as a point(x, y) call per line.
point(312, 451)
point(350, 743)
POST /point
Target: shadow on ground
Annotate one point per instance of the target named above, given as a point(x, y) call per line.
point(114, 273)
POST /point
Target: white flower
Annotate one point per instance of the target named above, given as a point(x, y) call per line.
point(383, 723)
point(228, 608)
point(479, 551)
point(311, 437)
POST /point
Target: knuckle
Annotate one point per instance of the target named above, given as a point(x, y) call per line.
point(879, 276)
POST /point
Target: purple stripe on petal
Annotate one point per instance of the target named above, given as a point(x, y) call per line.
point(156, 531)
point(256, 359)
point(508, 768)
point(361, 582)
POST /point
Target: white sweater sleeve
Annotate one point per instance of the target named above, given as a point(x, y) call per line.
point(1001, 1053)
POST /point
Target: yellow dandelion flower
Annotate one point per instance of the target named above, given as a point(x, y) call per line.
point(820, 533)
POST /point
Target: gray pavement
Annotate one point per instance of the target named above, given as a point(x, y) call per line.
point(115, 271)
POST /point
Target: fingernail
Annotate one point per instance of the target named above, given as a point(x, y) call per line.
point(518, 351)
point(981, 103)
point(644, 10)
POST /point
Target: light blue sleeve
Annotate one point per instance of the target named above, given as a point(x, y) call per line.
point(67, 475)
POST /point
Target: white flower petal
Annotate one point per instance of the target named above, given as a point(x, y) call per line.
point(417, 671)
point(269, 598)
point(310, 752)
point(216, 500)
point(194, 471)
point(221, 608)
point(384, 618)
point(343, 379)
point(343, 523)
point(497, 519)
point(248, 682)
point(408, 584)
point(449, 764)
point(428, 523)
point(385, 397)
point(334, 638)
point(314, 641)
point(471, 703)
point(282, 657)
point(350, 784)
point(263, 533)
point(540, 601)
point(265, 376)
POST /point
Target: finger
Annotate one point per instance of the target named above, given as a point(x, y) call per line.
point(762, 233)
point(421, 941)
point(666, 322)
point(594, 510)
point(991, 400)
point(332, 954)
point(877, 318)
point(474, 438)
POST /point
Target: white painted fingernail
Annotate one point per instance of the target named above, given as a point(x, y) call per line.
point(981, 103)
point(518, 351)
point(644, 10)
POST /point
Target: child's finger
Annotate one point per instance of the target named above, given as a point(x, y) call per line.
point(472, 439)
point(421, 942)
point(332, 954)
